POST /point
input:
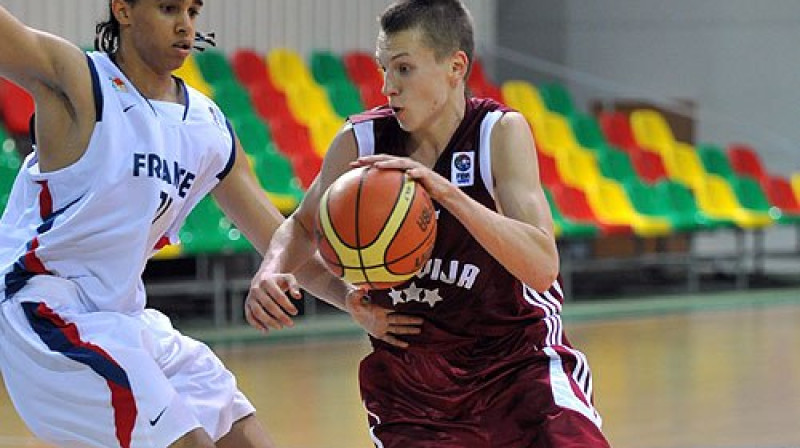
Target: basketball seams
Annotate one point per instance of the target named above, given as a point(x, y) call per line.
point(392, 208)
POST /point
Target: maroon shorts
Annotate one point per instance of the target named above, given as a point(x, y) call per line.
point(493, 396)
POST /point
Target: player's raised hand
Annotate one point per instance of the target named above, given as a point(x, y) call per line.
point(381, 323)
point(268, 304)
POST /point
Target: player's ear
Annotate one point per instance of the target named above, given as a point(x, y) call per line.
point(459, 64)
point(121, 11)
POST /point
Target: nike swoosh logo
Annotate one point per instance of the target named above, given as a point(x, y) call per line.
point(154, 422)
point(127, 108)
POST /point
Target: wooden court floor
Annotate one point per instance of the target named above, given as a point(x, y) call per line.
point(681, 372)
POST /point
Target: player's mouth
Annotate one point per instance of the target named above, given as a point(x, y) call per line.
point(184, 46)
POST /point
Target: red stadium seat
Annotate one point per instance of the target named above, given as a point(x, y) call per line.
point(365, 74)
point(573, 204)
point(16, 107)
point(780, 195)
point(250, 68)
point(746, 162)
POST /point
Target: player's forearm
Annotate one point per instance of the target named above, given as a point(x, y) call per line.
point(293, 250)
point(529, 252)
point(315, 278)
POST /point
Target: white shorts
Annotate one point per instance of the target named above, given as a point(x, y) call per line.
point(108, 379)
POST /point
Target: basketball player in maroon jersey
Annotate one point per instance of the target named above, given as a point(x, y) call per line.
point(489, 366)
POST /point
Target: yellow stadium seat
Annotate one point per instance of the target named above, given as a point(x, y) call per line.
point(796, 185)
point(578, 167)
point(287, 67)
point(652, 132)
point(323, 130)
point(553, 134)
point(684, 165)
point(716, 198)
point(307, 102)
point(190, 73)
point(611, 204)
point(524, 97)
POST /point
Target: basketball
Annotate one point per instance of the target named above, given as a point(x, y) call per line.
point(375, 228)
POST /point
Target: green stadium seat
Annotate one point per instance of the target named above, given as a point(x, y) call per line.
point(253, 133)
point(233, 99)
point(616, 165)
point(557, 99)
point(344, 97)
point(327, 68)
point(214, 66)
point(715, 161)
point(682, 201)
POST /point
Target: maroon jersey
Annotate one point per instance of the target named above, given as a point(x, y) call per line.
point(462, 292)
point(491, 367)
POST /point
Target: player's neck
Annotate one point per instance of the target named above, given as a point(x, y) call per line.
point(430, 142)
point(151, 84)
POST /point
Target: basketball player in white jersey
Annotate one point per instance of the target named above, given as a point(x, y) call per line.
point(124, 150)
point(491, 366)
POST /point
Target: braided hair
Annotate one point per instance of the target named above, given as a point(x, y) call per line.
point(106, 37)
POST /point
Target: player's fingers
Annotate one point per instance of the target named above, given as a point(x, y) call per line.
point(389, 339)
point(251, 319)
point(276, 294)
point(404, 329)
point(268, 313)
point(404, 319)
point(293, 289)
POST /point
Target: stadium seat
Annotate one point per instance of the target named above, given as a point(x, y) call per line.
point(276, 175)
point(557, 98)
point(651, 201)
point(566, 227)
point(683, 202)
point(16, 107)
point(573, 204)
point(716, 197)
point(684, 164)
point(548, 170)
point(796, 185)
point(616, 165)
point(715, 161)
point(214, 66)
point(250, 68)
point(345, 98)
point(286, 67)
point(524, 97)
point(327, 68)
point(588, 133)
point(253, 133)
point(746, 162)
point(232, 98)
point(578, 167)
point(208, 231)
point(648, 165)
point(270, 103)
point(785, 205)
point(617, 130)
point(611, 204)
point(365, 74)
point(653, 133)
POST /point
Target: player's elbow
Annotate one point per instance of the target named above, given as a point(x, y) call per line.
point(542, 276)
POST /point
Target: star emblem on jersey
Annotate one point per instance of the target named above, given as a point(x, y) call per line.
point(415, 294)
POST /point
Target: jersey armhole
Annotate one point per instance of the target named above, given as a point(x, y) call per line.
point(96, 90)
point(365, 138)
point(232, 158)
point(485, 152)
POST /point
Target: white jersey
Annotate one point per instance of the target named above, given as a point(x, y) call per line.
point(97, 221)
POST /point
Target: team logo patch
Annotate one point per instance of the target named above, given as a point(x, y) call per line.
point(119, 85)
point(463, 169)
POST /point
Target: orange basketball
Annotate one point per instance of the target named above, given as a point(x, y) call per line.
point(375, 228)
